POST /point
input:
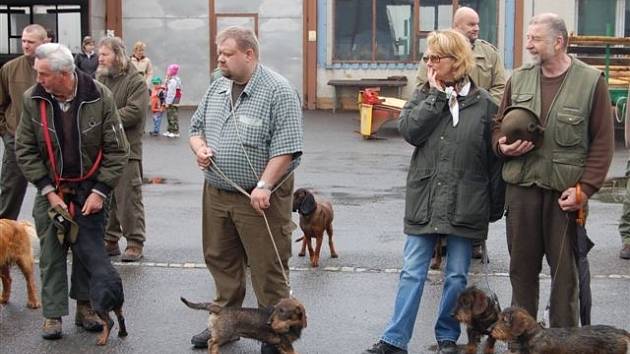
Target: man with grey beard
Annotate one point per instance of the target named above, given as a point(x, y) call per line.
point(549, 182)
point(126, 214)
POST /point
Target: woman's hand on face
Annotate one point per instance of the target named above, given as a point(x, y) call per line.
point(433, 81)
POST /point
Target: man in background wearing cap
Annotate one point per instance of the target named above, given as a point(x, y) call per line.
point(572, 103)
point(488, 72)
point(87, 60)
point(126, 215)
point(16, 76)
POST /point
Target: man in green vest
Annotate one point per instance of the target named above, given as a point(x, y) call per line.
point(572, 104)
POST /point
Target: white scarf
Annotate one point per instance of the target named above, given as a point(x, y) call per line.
point(453, 105)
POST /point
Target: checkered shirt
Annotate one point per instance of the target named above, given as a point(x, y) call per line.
point(268, 122)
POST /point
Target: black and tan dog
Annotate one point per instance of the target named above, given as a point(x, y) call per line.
point(15, 247)
point(280, 326)
point(516, 324)
point(316, 216)
point(479, 311)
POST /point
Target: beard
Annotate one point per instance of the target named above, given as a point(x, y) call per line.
point(103, 70)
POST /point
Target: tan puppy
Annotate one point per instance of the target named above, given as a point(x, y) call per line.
point(15, 247)
point(316, 216)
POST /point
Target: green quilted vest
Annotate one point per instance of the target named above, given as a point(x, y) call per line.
point(559, 162)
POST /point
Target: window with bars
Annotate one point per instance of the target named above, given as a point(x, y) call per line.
point(396, 30)
point(67, 19)
point(598, 17)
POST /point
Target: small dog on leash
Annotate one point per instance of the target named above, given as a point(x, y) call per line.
point(316, 216)
point(280, 326)
point(516, 324)
point(15, 248)
point(479, 311)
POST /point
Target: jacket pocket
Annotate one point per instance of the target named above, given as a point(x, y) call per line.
point(418, 197)
point(569, 129)
point(521, 97)
point(472, 207)
point(566, 169)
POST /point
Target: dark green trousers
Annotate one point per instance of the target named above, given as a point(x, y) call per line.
point(126, 209)
point(537, 227)
point(12, 182)
point(53, 262)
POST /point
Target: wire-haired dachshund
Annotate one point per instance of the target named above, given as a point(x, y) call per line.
point(279, 326)
point(479, 311)
point(15, 247)
point(516, 324)
point(316, 216)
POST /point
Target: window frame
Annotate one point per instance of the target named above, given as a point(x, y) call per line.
point(83, 12)
point(416, 33)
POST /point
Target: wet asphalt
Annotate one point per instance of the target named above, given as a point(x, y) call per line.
point(348, 299)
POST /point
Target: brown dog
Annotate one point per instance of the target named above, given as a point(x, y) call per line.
point(438, 252)
point(15, 247)
point(517, 324)
point(479, 311)
point(280, 326)
point(316, 216)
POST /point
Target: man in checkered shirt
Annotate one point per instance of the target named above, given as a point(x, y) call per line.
point(249, 126)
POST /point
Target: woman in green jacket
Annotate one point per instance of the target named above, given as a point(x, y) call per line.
point(454, 187)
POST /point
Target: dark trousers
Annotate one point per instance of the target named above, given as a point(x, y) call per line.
point(53, 255)
point(12, 182)
point(235, 236)
point(537, 227)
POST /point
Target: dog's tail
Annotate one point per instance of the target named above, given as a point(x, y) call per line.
point(208, 306)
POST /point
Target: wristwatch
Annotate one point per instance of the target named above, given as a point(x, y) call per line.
point(263, 185)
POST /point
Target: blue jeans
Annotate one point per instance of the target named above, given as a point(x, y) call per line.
point(417, 253)
point(157, 121)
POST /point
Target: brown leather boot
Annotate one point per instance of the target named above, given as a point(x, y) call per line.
point(51, 328)
point(133, 253)
point(87, 318)
point(112, 249)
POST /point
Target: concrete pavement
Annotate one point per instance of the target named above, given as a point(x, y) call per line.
point(348, 300)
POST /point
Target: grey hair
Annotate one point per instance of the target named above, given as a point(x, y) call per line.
point(555, 23)
point(245, 38)
point(58, 55)
point(39, 30)
point(118, 47)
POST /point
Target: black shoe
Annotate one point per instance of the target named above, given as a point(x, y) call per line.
point(266, 348)
point(384, 348)
point(200, 340)
point(447, 347)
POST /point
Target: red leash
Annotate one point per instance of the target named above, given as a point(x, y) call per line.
point(53, 160)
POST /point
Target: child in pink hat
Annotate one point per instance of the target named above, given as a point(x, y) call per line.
point(173, 96)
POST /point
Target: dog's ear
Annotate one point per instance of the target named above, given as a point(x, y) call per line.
point(519, 322)
point(298, 196)
point(480, 303)
point(308, 204)
point(302, 314)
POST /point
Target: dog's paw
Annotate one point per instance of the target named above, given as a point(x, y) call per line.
point(34, 304)
point(334, 255)
point(301, 254)
point(4, 299)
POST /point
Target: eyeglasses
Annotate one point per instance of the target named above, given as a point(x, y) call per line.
point(435, 58)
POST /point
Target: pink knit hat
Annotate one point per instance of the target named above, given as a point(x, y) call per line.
point(172, 70)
